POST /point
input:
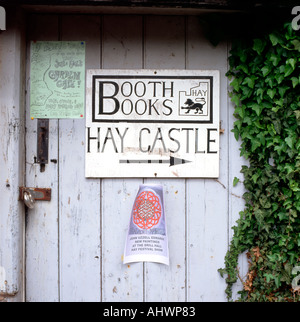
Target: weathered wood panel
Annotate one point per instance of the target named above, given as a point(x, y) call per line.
point(166, 50)
point(207, 204)
point(79, 198)
point(42, 229)
point(75, 243)
point(12, 157)
point(122, 47)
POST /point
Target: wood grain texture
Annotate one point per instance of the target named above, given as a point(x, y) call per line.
point(12, 157)
point(79, 207)
point(75, 244)
point(42, 230)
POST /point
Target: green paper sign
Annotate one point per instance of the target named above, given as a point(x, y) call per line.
point(57, 79)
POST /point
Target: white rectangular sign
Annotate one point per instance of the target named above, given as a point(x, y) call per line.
point(152, 123)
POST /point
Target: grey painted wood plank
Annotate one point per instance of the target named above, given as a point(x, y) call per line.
point(42, 244)
point(120, 283)
point(207, 200)
point(79, 198)
point(12, 160)
point(122, 48)
point(165, 49)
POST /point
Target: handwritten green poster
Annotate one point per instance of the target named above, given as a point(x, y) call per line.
point(57, 79)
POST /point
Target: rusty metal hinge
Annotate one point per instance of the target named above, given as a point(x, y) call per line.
point(37, 193)
point(30, 195)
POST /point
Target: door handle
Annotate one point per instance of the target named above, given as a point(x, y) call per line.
point(28, 199)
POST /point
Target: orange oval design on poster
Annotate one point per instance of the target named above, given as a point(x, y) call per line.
point(147, 210)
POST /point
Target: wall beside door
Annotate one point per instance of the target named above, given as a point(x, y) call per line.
point(12, 156)
point(74, 244)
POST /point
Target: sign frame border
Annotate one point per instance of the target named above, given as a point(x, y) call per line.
point(94, 120)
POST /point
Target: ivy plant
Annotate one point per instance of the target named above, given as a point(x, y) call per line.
point(264, 76)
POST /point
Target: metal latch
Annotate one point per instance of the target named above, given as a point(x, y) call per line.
point(30, 195)
point(42, 142)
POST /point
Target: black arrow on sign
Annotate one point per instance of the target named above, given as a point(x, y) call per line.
point(172, 161)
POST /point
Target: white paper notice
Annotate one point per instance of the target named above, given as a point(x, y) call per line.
point(147, 239)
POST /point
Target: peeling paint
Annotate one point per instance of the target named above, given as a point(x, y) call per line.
point(99, 212)
point(4, 296)
point(3, 281)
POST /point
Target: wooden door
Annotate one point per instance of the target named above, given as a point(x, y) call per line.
point(75, 242)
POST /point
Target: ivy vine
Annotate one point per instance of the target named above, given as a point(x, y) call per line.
point(265, 79)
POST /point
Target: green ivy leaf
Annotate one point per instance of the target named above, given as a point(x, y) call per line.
point(271, 92)
point(290, 141)
point(259, 45)
point(297, 113)
point(275, 59)
point(265, 202)
point(292, 62)
point(282, 216)
point(250, 81)
point(295, 81)
point(260, 93)
point(247, 91)
point(255, 177)
point(296, 44)
point(259, 215)
point(240, 110)
point(267, 108)
point(235, 84)
point(275, 39)
point(236, 133)
point(261, 137)
point(282, 69)
point(279, 78)
point(255, 144)
point(288, 70)
point(271, 129)
point(266, 70)
point(282, 90)
point(277, 126)
point(256, 107)
point(244, 68)
point(236, 100)
point(294, 185)
point(235, 181)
